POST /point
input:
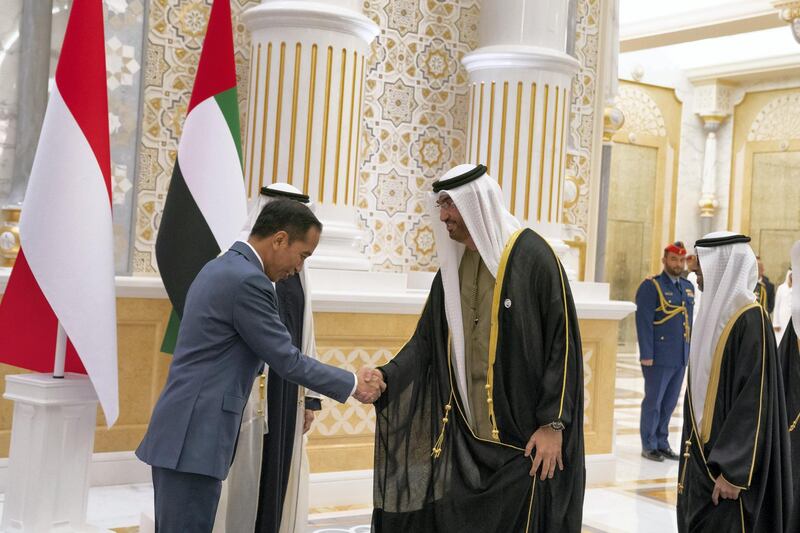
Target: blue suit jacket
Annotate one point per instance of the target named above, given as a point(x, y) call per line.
point(666, 343)
point(230, 328)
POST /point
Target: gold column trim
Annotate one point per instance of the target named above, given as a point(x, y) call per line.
point(561, 163)
point(530, 150)
point(310, 123)
point(516, 148)
point(350, 135)
point(541, 155)
point(252, 140)
point(480, 126)
point(470, 127)
point(339, 129)
point(293, 128)
point(491, 124)
point(501, 164)
point(553, 157)
point(264, 117)
point(358, 131)
point(323, 154)
point(246, 140)
point(278, 110)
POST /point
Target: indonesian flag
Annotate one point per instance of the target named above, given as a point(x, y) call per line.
point(65, 269)
point(206, 204)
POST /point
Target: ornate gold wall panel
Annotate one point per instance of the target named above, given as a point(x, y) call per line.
point(342, 438)
point(643, 190)
point(142, 374)
point(582, 119)
point(766, 159)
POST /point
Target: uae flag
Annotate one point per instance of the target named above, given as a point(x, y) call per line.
point(65, 269)
point(206, 205)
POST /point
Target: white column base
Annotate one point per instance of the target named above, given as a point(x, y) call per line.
point(52, 436)
point(340, 245)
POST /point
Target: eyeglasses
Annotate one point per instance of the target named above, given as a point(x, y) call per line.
point(445, 204)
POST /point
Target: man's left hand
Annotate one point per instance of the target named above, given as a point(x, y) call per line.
point(724, 490)
point(547, 442)
point(308, 420)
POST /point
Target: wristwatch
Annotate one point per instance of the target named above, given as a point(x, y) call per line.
point(556, 425)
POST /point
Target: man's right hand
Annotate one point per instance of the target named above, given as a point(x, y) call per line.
point(647, 362)
point(370, 385)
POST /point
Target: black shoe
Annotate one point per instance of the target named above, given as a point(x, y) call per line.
point(653, 455)
point(669, 454)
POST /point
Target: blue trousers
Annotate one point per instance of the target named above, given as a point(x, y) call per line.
point(662, 386)
point(185, 502)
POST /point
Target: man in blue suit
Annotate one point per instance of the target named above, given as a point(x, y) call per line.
point(664, 306)
point(230, 328)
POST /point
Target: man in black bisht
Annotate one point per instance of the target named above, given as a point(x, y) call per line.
point(736, 469)
point(789, 356)
point(266, 491)
point(765, 289)
point(481, 426)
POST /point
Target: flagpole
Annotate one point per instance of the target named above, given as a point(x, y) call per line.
point(61, 352)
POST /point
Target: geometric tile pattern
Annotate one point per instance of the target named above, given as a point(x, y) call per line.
point(415, 116)
point(174, 40)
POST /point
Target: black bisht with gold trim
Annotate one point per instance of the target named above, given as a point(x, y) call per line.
point(743, 436)
point(471, 484)
point(789, 356)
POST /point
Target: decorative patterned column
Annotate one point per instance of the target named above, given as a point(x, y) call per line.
point(304, 112)
point(712, 105)
point(520, 79)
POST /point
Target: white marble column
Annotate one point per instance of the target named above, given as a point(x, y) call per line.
point(304, 112)
point(520, 81)
point(712, 105)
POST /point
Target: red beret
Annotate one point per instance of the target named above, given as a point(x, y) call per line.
point(675, 248)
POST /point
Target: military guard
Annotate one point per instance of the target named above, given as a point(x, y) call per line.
point(664, 305)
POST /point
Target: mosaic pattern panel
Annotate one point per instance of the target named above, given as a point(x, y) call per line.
point(415, 121)
point(174, 40)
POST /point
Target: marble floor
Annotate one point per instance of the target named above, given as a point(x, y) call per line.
point(641, 498)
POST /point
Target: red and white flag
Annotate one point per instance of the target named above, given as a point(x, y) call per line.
point(65, 269)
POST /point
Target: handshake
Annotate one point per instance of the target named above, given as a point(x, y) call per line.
point(370, 385)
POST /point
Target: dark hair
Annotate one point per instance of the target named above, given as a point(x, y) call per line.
point(285, 215)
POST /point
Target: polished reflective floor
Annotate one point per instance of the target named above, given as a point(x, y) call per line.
point(641, 498)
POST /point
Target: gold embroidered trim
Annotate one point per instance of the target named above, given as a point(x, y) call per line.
point(493, 332)
point(713, 380)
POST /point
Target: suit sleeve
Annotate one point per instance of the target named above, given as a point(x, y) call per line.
point(256, 320)
point(563, 364)
point(646, 303)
